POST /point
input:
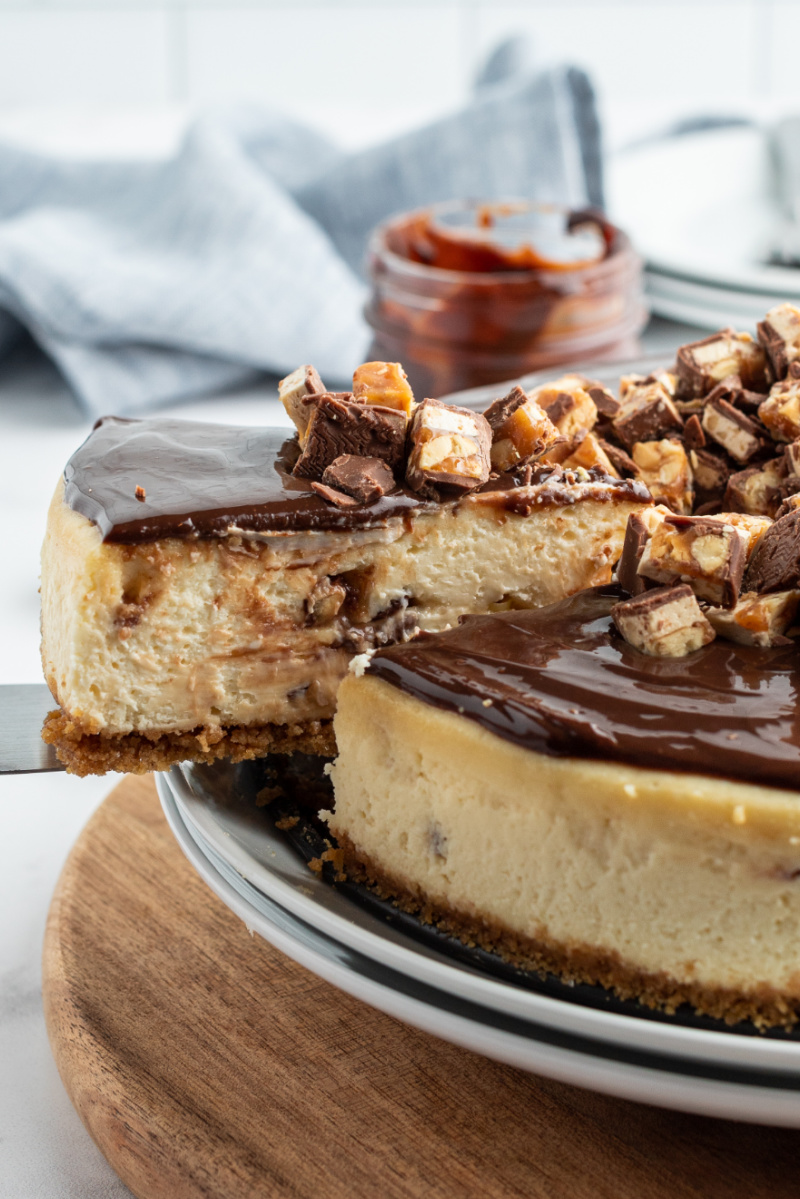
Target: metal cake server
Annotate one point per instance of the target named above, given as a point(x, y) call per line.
point(23, 708)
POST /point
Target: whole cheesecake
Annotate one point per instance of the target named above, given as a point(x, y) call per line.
point(536, 785)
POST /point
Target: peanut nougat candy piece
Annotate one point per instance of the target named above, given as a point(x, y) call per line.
point(753, 527)
point(779, 334)
point(703, 551)
point(296, 393)
point(701, 365)
point(757, 619)
point(638, 532)
point(588, 452)
point(448, 449)
point(775, 562)
point(647, 413)
point(568, 404)
point(340, 425)
point(780, 411)
point(521, 430)
point(666, 623)
point(757, 490)
point(664, 467)
point(383, 383)
point(711, 472)
point(739, 435)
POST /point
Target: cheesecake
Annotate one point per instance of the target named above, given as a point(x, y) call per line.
point(204, 587)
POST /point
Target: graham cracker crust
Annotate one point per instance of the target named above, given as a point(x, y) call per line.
point(85, 753)
point(764, 1005)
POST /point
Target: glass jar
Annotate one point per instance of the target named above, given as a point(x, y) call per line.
point(457, 328)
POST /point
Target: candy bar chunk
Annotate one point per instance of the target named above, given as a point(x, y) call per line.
point(700, 550)
point(295, 392)
point(664, 467)
point(588, 453)
point(521, 430)
point(792, 458)
point(788, 505)
point(340, 425)
point(732, 389)
point(757, 619)
point(621, 461)
point(775, 562)
point(693, 436)
point(756, 490)
point(711, 472)
point(703, 364)
point(780, 411)
point(365, 479)
point(667, 379)
point(637, 536)
point(568, 404)
point(383, 383)
point(753, 527)
point(647, 413)
point(449, 449)
point(779, 334)
point(666, 622)
point(607, 405)
point(740, 436)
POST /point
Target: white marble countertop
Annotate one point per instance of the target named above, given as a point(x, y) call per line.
point(45, 1152)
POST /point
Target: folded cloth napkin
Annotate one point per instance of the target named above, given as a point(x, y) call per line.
point(149, 282)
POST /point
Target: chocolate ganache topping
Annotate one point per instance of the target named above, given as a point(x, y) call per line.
point(140, 480)
point(562, 681)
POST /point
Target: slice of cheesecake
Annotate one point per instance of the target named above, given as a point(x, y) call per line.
point(539, 787)
point(204, 587)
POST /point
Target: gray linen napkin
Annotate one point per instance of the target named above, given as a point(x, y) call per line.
point(152, 282)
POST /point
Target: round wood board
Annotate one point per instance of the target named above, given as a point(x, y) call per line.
point(205, 1063)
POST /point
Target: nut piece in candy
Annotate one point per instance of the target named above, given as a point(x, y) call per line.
point(365, 479)
point(323, 604)
point(521, 430)
point(757, 619)
point(735, 432)
point(757, 490)
point(753, 527)
point(383, 383)
point(449, 449)
point(295, 392)
point(779, 334)
point(339, 425)
point(666, 622)
point(568, 404)
point(700, 550)
point(775, 561)
point(664, 467)
point(701, 365)
point(589, 452)
point(647, 413)
point(780, 411)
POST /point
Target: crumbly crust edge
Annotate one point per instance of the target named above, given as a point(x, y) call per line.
point(85, 753)
point(764, 1005)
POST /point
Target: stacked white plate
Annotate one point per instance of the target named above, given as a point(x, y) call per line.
point(700, 209)
point(262, 878)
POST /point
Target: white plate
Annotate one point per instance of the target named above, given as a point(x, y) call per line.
point(242, 836)
point(621, 1069)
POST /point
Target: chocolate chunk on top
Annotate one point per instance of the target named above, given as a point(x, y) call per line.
point(637, 536)
point(340, 425)
point(775, 562)
point(296, 392)
point(448, 449)
point(667, 622)
point(701, 365)
point(521, 430)
point(779, 334)
point(365, 479)
point(647, 413)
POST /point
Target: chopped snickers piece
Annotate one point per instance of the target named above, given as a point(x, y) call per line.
point(664, 467)
point(588, 453)
point(637, 536)
point(703, 364)
point(383, 383)
point(731, 389)
point(757, 619)
point(740, 436)
point(711, 473)
point(791, 457)
point(753, 527)
point(521, 430)
point(667, 622)
point(703, 551)
point(623, 463)
point(340, 498)
point(789, 504)
point(365, 479)
point(339, 425)
point(449, 449)
point(647, 413)
point(780, 411)
point(756, 490)
point(295, 393)
point(693, 436)
point(775, 562)
point(568, 405)
point(779, 334)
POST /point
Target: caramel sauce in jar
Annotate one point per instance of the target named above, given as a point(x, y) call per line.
point(465, 294)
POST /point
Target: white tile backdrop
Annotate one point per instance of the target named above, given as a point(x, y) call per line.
point(392, 62)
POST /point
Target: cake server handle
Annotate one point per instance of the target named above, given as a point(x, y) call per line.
point(23, 707)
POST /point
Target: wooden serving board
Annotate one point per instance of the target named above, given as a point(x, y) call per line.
point(205, 1063)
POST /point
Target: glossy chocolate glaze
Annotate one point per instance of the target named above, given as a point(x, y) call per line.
point(202, 480)
point(563, 682)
